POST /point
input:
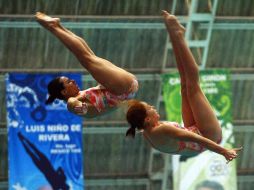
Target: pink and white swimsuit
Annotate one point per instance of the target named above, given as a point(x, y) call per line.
point(101, 98)
point(188, 145)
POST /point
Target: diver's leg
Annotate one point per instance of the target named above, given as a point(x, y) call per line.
point(187, 115)
point(203, 113)
point(113, 78)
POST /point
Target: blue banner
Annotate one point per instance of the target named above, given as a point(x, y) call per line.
point(45, 142)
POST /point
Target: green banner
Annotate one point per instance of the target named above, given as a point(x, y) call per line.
point(208, 168)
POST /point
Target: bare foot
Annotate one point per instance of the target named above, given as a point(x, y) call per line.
point(46, 21)
point(172, 23)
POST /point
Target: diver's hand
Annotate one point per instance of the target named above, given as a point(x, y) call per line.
point(231, 153)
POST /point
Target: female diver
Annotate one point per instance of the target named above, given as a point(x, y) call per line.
point(115, 84)
point(201, 129)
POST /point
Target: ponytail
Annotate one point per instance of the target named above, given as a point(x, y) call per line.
point(135, 116)
point(50, 100)
point(131, 132)
point(55, 87)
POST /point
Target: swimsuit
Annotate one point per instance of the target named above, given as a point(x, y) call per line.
point(101, 98)
point(187, 148)
point(184, 147)
point(188, 145)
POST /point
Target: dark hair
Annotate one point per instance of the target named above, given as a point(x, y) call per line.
point(135, 116)
point(210, 184)
point(54, 89)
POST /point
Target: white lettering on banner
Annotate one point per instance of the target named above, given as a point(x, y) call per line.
point(59, 151)
point(59, 146)
point(35, 128)
point(210, 84)
point(174, 81)
point(215, 77)
point(70, 146)
point(54, 137)
point(211, 91)
point(76, 127)
point(218, 168)
point(76, 150)
point(57, 128)
point(65, 151)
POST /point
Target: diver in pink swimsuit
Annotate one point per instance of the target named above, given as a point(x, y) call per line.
point(201, 129)
point(102, 100)
point(185, 148)
point(115, 84)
